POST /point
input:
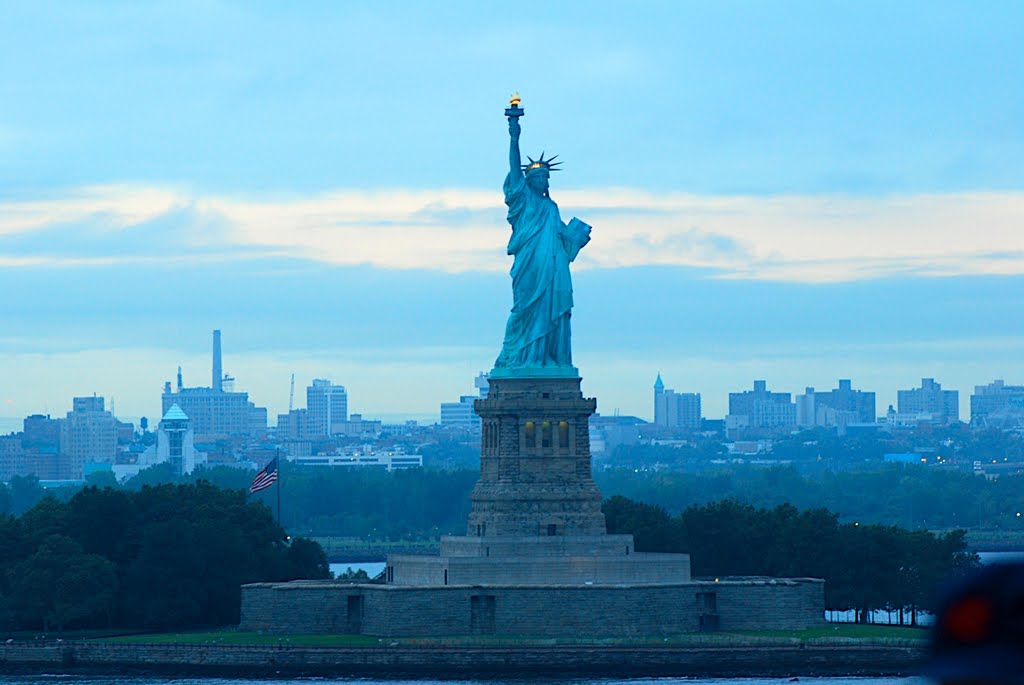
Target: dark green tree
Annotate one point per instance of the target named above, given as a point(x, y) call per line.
point(60, 586)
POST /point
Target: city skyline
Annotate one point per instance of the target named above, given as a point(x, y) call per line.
point(800, 196)
point(172, 389)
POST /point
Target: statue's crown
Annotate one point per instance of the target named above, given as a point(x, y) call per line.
point(549, 164)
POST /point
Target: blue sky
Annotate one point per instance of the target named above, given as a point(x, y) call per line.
point(791, 191)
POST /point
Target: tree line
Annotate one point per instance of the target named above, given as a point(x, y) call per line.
point(423, 503)
point(169, 556)
point(160, 557)
point(909, 495)
point(865, 567)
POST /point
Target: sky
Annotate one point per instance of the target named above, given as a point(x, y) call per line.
point(799, 192)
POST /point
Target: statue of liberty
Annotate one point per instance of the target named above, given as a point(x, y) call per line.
point(537, 338)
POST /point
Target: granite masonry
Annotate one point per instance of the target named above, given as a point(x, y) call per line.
point(536, 559)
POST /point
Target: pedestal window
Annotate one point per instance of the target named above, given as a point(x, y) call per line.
point(529, 437)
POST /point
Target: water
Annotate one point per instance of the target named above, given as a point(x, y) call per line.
point(1000, 557)
point(372, 568)
point(109, 680)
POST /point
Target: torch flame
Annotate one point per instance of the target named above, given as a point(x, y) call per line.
point(515, 100)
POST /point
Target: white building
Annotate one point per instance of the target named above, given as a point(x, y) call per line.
point(326, 407)
point(460, 415)
point(364, 457)
point(676, 410)
point(175, 444)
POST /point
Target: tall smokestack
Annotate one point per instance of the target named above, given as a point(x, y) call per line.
point(218, 372)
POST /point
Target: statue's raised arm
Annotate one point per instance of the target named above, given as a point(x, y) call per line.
point(537, 341)
point(513, 112)
point(515, 161)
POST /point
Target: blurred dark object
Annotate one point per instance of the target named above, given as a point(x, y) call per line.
point(979, 629)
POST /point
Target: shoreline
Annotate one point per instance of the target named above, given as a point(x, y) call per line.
point(776, 660)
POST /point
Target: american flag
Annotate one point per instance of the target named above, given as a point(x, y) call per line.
point(265, 478)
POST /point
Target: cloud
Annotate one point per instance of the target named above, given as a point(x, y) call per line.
point(816, 238)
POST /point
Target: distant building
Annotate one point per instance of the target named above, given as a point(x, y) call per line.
point(174, 445)
point(836, 408)
point(843, 398)
point(676, 410)
point(35, 451)
point(998, 405)
point(42, 433)
point(358, 427)
point(760, 408)
point(216, 412)
point(326, 407)
point(174, 442)
point(943, 406)
point(608, 432)
point(806, 409)
point(390, 460)
point(460, 415)
point(11, 456)
point(294, 425)
point(88, 434)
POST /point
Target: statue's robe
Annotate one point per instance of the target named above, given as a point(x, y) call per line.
point(537, 333)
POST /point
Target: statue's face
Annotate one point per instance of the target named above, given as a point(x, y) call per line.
point(538, 180)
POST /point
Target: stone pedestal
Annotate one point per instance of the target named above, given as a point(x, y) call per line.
point(537, 559)
point(536, 512)
point(535, 474)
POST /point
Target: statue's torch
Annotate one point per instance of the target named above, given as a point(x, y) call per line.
point(514, 111)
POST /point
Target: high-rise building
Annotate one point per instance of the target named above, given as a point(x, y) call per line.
point(676, 410)
point(942, 406)
point(88, 434)
point(11, 456)
point(326, 407)
point(836, 408)
point(294, 425)
point(35, 451)
point(760, 408)
point(216, 412)
point(998, 405)
point(41, 432)
point(460, 415)
point(844, 398)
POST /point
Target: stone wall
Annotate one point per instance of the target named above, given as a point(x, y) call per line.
point(535, 546)
point(592, 611)
point(634, 569)
point(755, 660)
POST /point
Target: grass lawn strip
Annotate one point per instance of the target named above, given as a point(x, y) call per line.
point(824, 635)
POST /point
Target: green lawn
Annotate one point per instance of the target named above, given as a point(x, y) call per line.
point(824, 634)
point(846, 631)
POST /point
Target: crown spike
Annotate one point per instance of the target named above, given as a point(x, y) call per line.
point(542, 163)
